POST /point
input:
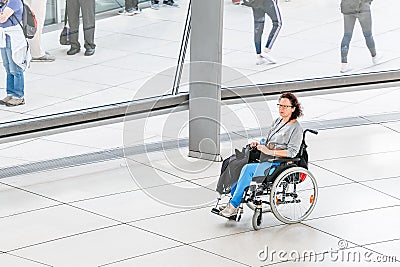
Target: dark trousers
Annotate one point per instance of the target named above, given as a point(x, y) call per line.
point(130, 4)
point(269, 7)
point(88, 17)
point(164, 1)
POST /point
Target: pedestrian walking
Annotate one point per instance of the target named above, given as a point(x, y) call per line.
point(353, 10)
point(260, 8)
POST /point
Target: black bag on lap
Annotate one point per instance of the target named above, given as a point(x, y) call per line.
point(232, 166)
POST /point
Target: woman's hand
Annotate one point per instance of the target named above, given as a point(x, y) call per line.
point(265, 150)
point(7, 12)
point(254, 144)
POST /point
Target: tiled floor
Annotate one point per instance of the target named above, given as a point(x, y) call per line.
point(153, 209)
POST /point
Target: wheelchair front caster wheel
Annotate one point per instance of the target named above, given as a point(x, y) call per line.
point(257, 219)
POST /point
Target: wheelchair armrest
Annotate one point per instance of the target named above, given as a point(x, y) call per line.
point(283, 160)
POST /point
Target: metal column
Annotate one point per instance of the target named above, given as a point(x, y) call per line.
point(205, 79)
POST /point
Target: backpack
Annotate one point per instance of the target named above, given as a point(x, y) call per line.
point(29, 22)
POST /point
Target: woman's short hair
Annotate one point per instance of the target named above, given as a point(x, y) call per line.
point(298, 111)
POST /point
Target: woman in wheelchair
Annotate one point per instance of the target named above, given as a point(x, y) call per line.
point(283, 140)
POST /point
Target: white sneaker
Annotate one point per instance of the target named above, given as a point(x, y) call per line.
point(377, 59)
point(269, 58)
point(229, 211)
point(260, 60)
point(345, 68)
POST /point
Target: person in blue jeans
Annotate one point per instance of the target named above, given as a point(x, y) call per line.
point(260, 8)
point(14, 51)
point(283, 140)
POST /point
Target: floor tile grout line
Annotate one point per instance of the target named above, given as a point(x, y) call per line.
point(24, 258)
point(361, 183)
point(65, 237)
point(30, 211)
point(140, 255)
point(352, 212)
point(357, 155)
point(218, 255)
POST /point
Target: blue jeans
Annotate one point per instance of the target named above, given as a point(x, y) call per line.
point(248, 172)
point(271, 8)
point(15, 74)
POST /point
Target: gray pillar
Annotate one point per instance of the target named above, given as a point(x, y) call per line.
point(205, 79)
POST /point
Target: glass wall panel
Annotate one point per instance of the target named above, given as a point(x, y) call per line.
point(133, 51)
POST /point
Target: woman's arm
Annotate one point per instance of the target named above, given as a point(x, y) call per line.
point(6, 14)
point(272, 152)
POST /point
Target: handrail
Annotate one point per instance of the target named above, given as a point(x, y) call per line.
point(118, 112)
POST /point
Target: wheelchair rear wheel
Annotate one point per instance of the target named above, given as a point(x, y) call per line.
point(293, 195)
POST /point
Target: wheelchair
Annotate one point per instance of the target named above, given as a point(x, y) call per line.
point(289, 190)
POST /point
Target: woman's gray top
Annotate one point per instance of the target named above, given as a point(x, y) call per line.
point(285, 137)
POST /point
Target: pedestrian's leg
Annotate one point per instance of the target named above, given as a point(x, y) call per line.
point(366, 25)
point(349, 21)
point(259, 20)
point(15, 77)
point(39, 8)
point(10, 78)
point(88, 18)
point(275, 15)
point(73, 8)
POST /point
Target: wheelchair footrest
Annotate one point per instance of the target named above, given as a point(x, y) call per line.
point(232, 218)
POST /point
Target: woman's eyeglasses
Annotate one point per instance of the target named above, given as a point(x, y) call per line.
point(283, 106)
